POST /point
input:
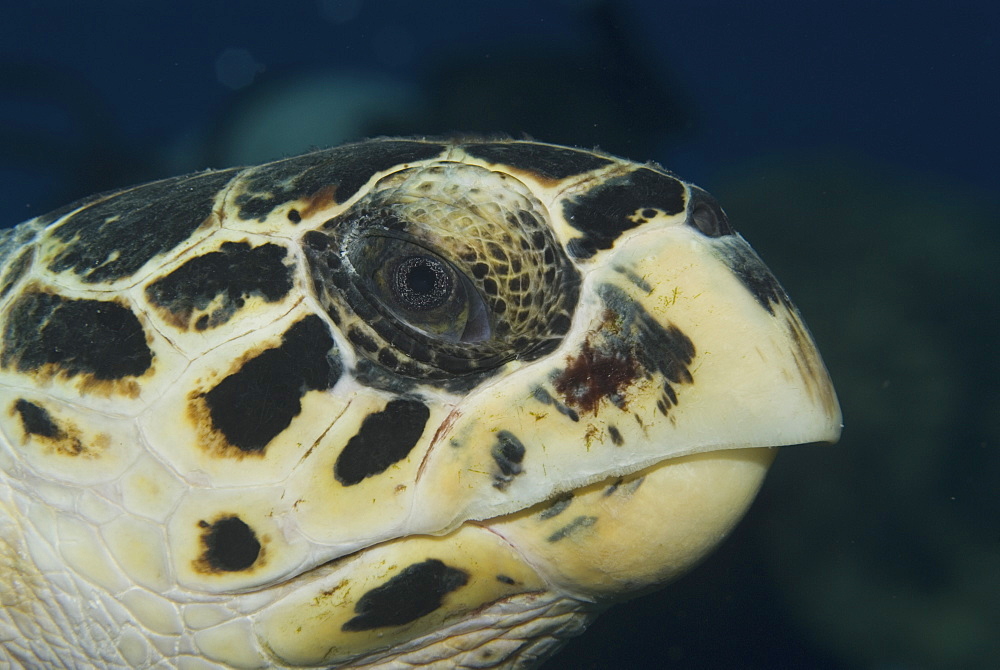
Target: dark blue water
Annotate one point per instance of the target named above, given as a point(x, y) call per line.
point(854, 143)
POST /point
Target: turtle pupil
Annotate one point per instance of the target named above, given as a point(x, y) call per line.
point(421, 283)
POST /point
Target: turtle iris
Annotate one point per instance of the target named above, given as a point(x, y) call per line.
point(421, 283)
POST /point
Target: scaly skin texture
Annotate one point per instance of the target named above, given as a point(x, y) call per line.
point(403, 403)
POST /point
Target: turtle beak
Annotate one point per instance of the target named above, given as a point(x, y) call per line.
point(682, 343)
point(757, 376)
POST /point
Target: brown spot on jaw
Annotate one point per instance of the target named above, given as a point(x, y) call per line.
point(594, 375)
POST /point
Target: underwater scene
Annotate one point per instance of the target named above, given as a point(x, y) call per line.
point(854, 145)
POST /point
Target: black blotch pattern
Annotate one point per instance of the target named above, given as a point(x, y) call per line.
point(117, 235)
point(616, 436)
point(94, 337)
point(251, 406)
point(504, 579)
point(508, 453)
point(229, 545)
point(345, 168)
point(602, 214)
point(416, 591)
point(16, 270)
point(235, 272)
point(36, 420)
point(544, 160)
point(384, 438)
point(752, 273)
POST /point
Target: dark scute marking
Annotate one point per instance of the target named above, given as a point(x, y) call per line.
point(508, 453)
point(346, 168)
point(294, 216)
point(504, 579)
point(573, 526)
point(114, 237)
point(616, 436)
point(557, 505)
point(103, 339)
point(752, 273)
point(705, 214)
point(416, 591)
point(35, 419)
point(251, 406)
point(603, 213)
point(229, 545)
point(233, 273)
point(546, 161)
point(614, 487)
point(17, 268)
point(384, 438)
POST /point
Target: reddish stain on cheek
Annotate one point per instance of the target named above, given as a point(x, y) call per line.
point(594, 375)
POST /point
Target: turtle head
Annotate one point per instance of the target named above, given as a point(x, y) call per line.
point(405, 401)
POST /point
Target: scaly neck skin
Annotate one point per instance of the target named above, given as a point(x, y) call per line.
point(41, 625)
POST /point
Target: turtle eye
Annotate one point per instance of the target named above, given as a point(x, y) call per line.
point(424, 291)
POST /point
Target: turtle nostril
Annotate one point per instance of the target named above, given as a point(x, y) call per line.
point(705, 214)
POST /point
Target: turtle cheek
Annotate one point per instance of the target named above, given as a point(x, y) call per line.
point(617, 539)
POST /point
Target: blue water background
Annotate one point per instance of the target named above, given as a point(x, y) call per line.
point(855, 144)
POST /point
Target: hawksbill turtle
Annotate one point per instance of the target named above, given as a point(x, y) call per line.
point(400, 403)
